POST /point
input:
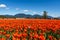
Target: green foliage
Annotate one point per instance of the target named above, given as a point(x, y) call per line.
point(1, 16)
point(44, 15)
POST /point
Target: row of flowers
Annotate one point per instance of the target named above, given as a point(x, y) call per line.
point(29, 29)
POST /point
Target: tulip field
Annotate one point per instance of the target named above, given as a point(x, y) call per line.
point(29, 29)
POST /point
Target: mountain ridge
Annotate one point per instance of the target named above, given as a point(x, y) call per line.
point(22, 15)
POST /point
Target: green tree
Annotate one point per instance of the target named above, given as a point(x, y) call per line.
point(1, 16)
point(44, 15)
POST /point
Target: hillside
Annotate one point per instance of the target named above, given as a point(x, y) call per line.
point(22, 15)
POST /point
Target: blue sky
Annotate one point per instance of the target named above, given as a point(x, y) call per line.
point(13, 7)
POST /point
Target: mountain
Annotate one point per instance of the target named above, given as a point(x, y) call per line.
point(28, 16)
point(22, 15)
point(37, 16)
point(9, 16)
point(50, 17)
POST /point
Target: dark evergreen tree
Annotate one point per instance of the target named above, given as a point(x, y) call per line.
point(44, 15)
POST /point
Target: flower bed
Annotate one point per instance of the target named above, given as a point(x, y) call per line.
point(29, 29)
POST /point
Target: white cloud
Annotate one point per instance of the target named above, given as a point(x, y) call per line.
point(41, 12)
point(26, 10)
point(34, 12)
point(17, 8)
point(3, 6)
